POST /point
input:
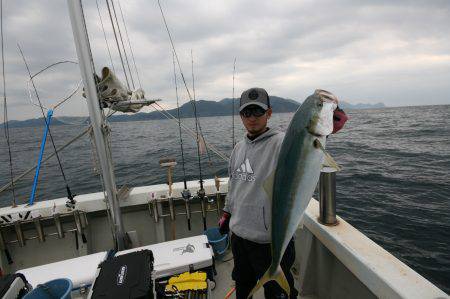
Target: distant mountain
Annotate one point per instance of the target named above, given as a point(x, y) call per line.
point(204, 109)
point(35, 122)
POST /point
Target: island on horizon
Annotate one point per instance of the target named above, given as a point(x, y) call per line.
point(204, 109)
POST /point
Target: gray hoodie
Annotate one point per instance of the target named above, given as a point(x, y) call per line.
point(251, 162)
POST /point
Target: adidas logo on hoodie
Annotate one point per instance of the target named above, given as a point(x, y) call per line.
point(244, 172)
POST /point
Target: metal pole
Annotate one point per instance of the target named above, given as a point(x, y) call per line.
point(98, 126)
point(327, 196)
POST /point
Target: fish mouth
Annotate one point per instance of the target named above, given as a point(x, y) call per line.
point(322, 121)
point(326, 96)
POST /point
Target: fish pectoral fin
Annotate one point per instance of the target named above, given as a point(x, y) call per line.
point(329, 161)
point(279, 277)
point(268, 185)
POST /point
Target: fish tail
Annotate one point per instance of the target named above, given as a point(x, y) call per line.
point(279, 277)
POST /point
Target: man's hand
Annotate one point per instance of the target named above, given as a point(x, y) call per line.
point(339, 119)
point(224, 223)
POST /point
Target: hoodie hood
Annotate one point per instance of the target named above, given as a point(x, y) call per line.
point(270, 132)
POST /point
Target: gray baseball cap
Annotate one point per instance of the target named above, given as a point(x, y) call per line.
point(254, 96)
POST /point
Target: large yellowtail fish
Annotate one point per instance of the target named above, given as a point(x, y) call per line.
point(292, 184)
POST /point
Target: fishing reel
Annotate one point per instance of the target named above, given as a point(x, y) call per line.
point(186, 194)
point(71, 202)
point(201, 194)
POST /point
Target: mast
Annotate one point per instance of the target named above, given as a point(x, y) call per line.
point(98, 123)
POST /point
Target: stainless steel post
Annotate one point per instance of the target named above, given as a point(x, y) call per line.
point(327, 196)
point(39, 229)
point(19, 234)
point(58, 225)
point(97, 119)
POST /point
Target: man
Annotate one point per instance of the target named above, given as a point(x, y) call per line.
point(251, 161)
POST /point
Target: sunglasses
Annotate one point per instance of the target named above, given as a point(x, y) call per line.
point(255, 111)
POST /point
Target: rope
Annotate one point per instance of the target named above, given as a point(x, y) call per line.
point(129, 44)
point(5, 110)
point(117, 43)
point(121, 41)
point(104, 35)
point(91, 57)
point(69, 194)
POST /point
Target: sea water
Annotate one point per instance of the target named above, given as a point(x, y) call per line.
point(394, 185)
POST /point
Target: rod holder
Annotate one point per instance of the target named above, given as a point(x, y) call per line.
point(77, 218)
point(217, 184)
point(19, 234)
point(186, 194)
point(155, 211)
point(171, 209)
point(58, 225)
point(327, 196)
point(219, 212)
point(39, 229)
point(83, 220)
point(203, 206)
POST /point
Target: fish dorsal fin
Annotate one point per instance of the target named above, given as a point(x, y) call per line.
point(329, 161)
point(268, 185)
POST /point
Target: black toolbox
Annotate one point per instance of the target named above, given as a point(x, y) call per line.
point(125, 276)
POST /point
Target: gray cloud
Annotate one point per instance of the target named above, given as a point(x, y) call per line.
point(364, 51)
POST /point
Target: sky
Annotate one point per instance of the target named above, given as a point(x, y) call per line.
point(395, 52)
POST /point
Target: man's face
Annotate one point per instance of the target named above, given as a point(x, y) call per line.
point(255, 119)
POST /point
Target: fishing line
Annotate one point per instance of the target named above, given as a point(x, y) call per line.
point(169, 116)
point(175, 52)
point(29, 170)
point(5, 110)
point(64, 99)
point(69, 193)
point(185, 85)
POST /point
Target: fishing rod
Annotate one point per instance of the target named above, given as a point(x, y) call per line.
point(5, 111)
point(179, 67)
point(203, 147)
point(201, 192)
point(19, 177)
point(186, 193)
point(71, 201)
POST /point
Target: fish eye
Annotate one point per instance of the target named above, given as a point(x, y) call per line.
point(320, 104)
